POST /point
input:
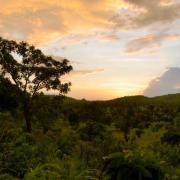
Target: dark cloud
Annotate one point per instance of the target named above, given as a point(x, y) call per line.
point(159, 14)
point(148, 12)
point(168, 83)
point(145, 3)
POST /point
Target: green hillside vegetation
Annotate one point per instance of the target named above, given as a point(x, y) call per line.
point(46, 137)
point(127, 138)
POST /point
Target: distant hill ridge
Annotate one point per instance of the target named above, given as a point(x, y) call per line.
point(168, 97)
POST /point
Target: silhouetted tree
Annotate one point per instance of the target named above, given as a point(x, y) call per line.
point(31, 71)
point(8, 95)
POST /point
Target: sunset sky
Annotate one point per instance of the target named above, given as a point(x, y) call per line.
point(117, 47)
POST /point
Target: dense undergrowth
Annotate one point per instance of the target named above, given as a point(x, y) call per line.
point(132, 138)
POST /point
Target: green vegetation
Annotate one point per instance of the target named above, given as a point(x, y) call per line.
point(130, 138)
point(31, 72)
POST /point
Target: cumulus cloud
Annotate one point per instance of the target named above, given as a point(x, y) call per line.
point(168, 83)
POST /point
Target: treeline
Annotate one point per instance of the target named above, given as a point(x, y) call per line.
point(131, 138)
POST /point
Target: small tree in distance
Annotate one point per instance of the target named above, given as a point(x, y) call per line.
point(31, 71)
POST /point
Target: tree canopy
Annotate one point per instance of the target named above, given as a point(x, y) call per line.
point(31, 71)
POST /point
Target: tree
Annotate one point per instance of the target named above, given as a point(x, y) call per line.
point(8, 95)
point(32, 72)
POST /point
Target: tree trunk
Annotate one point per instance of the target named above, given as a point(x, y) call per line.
point(27, 115)
point(28, 122)
point(126, 136)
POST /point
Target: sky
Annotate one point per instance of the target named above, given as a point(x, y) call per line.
point(116, 47)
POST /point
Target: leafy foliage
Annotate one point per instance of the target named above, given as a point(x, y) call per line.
point(31, 72)
point(128, 138)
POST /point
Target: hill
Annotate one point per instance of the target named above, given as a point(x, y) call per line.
point(124, 138)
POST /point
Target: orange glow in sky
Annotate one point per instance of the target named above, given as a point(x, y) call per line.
point(117, 47)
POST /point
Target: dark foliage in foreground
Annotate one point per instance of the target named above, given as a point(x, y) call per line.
point(123, 139)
